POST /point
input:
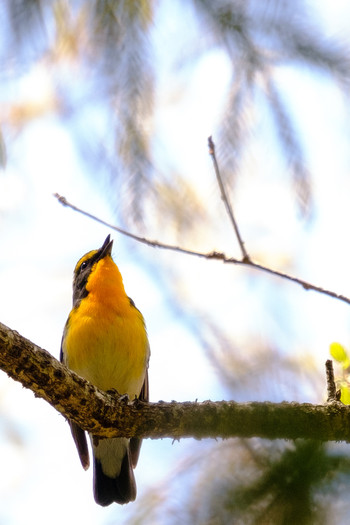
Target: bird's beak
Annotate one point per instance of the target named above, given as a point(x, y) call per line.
point(106, 248)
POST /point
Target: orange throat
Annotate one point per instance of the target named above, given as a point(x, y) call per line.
point(106, 340)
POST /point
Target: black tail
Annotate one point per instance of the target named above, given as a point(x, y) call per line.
point(121, 489)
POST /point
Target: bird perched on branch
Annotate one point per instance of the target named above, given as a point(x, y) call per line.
point(105, 341)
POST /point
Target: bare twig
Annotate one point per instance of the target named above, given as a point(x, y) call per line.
point(210, 255)
point(224, 196)
point(143, 240)
point(331, 388)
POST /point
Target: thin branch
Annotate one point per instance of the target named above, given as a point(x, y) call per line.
point(210, 255)
point(331, 388)
point(107, 414)
point(224, 196)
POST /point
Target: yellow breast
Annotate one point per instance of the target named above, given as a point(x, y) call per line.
point(105, 338)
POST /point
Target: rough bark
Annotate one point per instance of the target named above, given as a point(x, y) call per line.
point(108, 414)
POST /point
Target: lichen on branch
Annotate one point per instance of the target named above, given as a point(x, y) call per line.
point(109, 414)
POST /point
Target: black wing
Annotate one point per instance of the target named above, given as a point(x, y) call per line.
point(135, 443)
point(78, 434)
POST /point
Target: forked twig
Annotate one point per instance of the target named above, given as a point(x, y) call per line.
point(210, 255)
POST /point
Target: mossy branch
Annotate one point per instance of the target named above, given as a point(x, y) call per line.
point(108, 414)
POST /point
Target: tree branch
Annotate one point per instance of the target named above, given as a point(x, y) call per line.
point(108, 414)
point(214, 255)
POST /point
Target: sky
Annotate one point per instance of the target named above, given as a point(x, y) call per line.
point(41, 242)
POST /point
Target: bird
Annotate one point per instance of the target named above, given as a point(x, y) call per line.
point(105, 341)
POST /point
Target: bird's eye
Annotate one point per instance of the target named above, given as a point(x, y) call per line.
point(83, 265)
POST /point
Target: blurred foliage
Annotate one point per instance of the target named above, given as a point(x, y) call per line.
point(251, 482)
point(107, 48)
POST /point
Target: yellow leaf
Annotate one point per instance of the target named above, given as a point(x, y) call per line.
point(345, 395)
point(338, 352)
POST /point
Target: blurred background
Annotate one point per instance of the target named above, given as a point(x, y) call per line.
point(110, 103)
